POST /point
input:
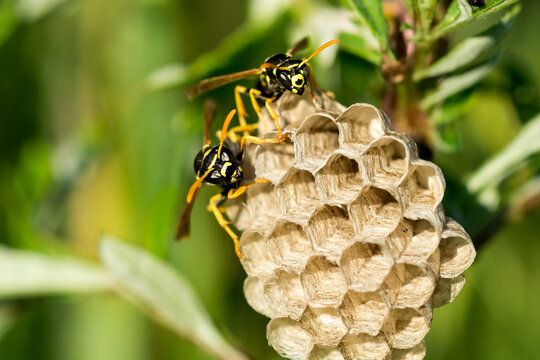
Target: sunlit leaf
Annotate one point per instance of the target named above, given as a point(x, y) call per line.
point(470, 50)
point(511, 158)
point(165, 295)
point(460, 13)
point(26, 273)
point(454, 84)
point(371, 14)
point(357, 45)
point(35, 9)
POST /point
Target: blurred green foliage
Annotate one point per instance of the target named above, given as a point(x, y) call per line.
point(97, 136)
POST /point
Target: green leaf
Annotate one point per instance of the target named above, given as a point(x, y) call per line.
point(357, 45)
point(508, 160)
point(471, 49)
point(454, 84)
point(26, 273)
point(371, 14)
point(165, 295)
point(460, 13)
point(33, 10)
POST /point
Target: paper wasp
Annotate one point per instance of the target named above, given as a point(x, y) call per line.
point(279, 73)
point(219, 165)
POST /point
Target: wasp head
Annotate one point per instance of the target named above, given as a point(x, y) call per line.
point(293, 76)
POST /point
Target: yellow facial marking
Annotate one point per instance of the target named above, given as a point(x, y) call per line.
point(267, 79)
point(294, 91)
point(224, 169)
point(298, 80)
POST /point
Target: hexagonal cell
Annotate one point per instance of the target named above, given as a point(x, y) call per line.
point(330, 230)
point(365, 266)
point(457, 250)
point(417, 352)
point(324, 325)
point(254, 293)
point(364, 312)
point(386, 160)
point(409, 285)
point(447, 290)
point(413, 240)
point(288, 338)
point(289, 246)
point(325, 353)
point(272, 161)
point(285, 295)
point(324, 283)
point(297, 192)
point(424, 186)
point(375, 212)
point(315, 140)
point(339, 179)
point(262, 204)
point(408, 327)
point(256, 261)
point(363, 346)
point(360, 124)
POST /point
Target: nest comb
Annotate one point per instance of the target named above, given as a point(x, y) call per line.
point(347, 250)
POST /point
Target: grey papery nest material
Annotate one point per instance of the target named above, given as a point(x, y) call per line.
point(347, 250)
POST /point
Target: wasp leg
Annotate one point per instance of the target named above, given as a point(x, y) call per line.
point(242, 189)
point(313, 86)
point(242, 114)
point(255, 104)
point(258, 140)
point(213, 207)
point(273, 115)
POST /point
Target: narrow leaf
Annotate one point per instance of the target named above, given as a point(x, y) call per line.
point(460, 14)
point(26, 273)
point(165, 295)
point(357, 45)
point(512, 157)
point(424, 11)
point(470, 50)
point(457, 83)
point(371, 14)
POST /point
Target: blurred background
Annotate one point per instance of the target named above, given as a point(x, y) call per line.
point(97, 136)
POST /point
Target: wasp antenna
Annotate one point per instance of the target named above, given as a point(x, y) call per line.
point(324, 46)
point(224, 130)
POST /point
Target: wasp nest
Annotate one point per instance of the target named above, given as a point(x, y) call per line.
point(347, 250)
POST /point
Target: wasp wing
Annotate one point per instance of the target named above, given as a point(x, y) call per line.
point(301, 44)
point(215, 82)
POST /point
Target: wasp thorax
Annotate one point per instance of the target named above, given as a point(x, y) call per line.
point(226, 169)
point(347, 249)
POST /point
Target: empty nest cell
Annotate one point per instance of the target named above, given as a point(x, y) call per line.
point(324, 325)
point(298, 192)
point(289, 246)
point(424, 186)
point(325, 352)
point(386, 160)
point(285, 295)
point(324, 283)
point(365, 266)
point(360, 124)
point(254, 293)
point(256, 261)
point(273, 160)
point(288, 338)
point(413, 240)
point(262, 204)
point(407, 327)
point(409, 285)
point(447, 290)
point(363, 346)
point(418, 352)
point(457, 250)
point(375, 212)
point(330, 230)
point(340, 179)
point(364, 312)
point(315, 140)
